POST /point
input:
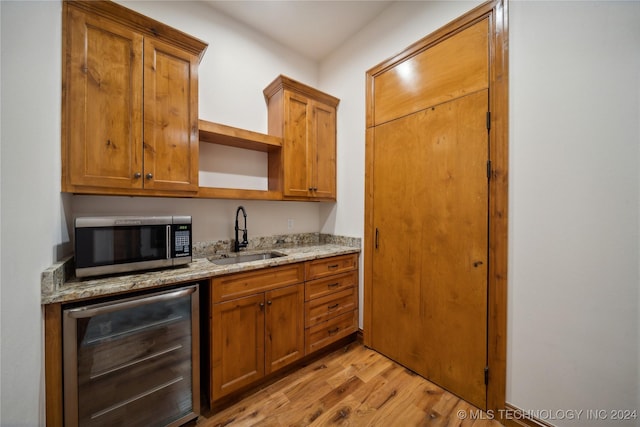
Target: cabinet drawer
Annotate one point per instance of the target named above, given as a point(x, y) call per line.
point(332, 305)
point(322, 287)
point(233, 286)
point(330, 331)
point(329, 266)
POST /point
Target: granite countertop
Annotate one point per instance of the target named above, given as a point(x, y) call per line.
point(58, 284)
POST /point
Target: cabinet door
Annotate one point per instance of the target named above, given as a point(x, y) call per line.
point(102, 123)
point(170, 118)
point(237, 345)
point(284, 333)
point(322, 158)
point(297, 174)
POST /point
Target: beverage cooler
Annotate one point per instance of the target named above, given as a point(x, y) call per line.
point(133, 360)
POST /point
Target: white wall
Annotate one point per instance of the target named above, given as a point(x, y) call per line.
point(31, 203)
point(575, 134)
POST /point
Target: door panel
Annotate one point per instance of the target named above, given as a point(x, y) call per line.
point(430, 266)
point(284, 340)
point(237, 346)
point(297, 121)
point(323, 160)
point(170, 118)
point(105, 98)
point(454, 67)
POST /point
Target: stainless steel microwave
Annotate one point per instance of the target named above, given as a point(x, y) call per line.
point(108, 245)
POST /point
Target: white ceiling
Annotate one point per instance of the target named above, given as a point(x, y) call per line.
point(311, 28)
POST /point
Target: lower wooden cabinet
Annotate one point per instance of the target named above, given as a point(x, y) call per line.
point(324, 333)
point(264, 320)
point(331, 300)
point(259, 332)
point(238, 344)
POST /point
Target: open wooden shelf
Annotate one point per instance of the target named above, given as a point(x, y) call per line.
point(217, 133)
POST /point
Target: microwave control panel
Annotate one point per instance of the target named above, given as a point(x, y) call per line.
point(182, 240)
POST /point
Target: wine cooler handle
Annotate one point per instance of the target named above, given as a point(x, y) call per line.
point(89, 311)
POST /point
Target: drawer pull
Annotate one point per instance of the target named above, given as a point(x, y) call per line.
point(334, 266)
point(333, 331)
point(333, 285)
point(331, 307)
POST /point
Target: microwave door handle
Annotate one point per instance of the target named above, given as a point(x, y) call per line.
point(84, 312)
point(169, 241)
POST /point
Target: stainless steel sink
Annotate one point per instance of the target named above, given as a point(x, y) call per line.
point(236, 259)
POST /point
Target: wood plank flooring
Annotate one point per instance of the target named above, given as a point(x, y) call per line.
point(353, 386)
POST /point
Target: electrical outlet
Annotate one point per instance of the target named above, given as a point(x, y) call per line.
point(290, 224)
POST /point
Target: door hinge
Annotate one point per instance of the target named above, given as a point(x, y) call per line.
point(486, 375)
point(488, 120)
point(489, 169)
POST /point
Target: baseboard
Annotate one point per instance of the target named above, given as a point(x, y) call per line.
point(513, 416)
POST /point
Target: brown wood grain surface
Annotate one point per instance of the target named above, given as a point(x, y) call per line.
point(284, 327)
point(492, 15)
point(444, 71)
point(430, 269)
point(352, 386)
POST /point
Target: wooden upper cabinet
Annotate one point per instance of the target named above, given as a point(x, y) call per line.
point(305, 119)
point(170, 118)
point(104, 102)
point(130, 103)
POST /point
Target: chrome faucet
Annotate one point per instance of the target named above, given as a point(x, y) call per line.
point(244, 243)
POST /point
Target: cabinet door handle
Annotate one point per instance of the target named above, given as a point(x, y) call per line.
point(137, 175)
point(377, 238)
point(331, 307)
point(149, 175)
point(268, 302)
point(261, 305)
point(333, 285)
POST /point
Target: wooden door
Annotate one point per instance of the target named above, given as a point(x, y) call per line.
point(103, 123)
point(237, 345)
point(284, 333)
point(323, 154)
point(296, 145)
point(430, 211)
point(170, 118)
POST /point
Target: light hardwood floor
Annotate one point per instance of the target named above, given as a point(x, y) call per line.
point(353, 386)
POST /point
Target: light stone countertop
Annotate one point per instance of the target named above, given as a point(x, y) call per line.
point(56, 289)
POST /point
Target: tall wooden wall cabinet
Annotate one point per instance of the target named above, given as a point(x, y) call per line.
point(130, 103)
point(305, 118)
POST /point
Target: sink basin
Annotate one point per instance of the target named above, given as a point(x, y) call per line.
point(236, 259)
